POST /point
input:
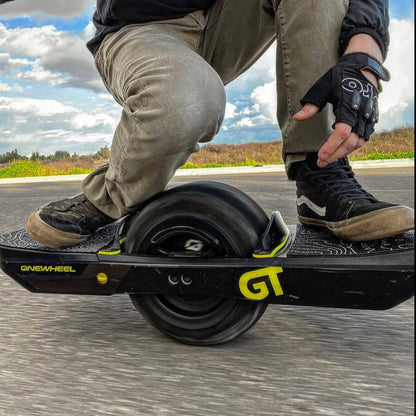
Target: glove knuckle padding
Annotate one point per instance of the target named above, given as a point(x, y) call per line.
point(353, 97)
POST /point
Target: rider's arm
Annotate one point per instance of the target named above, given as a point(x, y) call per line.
point(364, 29)
point(369, 17)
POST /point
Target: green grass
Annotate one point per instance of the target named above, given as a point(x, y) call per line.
point(253, 162)
point(398, 155)
point(77, 171)
point(248, 162)
point(28, 168)
point(21, 169)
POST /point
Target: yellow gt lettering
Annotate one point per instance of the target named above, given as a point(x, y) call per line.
point(253, 284)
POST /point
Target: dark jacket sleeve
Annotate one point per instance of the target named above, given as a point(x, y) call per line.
point(367, 16)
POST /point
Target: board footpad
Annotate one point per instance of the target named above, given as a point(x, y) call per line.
point(95, 242)
point(315, 242)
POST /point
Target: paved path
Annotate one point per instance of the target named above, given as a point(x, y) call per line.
point(92, 356)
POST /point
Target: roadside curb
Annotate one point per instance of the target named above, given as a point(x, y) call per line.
point(364, 164)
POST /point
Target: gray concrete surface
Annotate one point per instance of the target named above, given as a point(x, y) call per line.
point(82, 355)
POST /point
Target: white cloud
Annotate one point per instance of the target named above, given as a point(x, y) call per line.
point(398, 93)
point(262, 71)
point(265, 99)
point(42, 8)
point(4, 87)
point(244, 122)
point(253, 96)
point(230, 111)
point(11, 66)
point(51, 57)
point(8, 88)
point(30, 42)
point(37, 73)
point(49, 125)
point(40, 108)
point(82, 120)
point(256, 121)
point(89, 31)
point(262, 112)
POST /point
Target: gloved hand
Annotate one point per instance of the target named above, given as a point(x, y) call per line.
point(353, 97)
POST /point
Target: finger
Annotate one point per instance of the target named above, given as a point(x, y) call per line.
point(352, 143)
point(360, 142)
point(330, 149)
point(308, 111)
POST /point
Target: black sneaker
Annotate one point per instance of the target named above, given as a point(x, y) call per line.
point(66, 222)
point(331, 197)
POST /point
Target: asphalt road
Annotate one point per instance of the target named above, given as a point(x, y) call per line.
point(84, 355)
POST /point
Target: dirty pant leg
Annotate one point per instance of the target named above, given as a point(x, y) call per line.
point(307, 46)
point(238, 32)
point(172, 100)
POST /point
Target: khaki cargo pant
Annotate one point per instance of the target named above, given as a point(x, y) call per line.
point(169, 78)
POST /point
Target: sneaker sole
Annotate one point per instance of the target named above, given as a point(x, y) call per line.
point(370, 226)
point(49, 236)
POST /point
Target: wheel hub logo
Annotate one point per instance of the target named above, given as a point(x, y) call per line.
point(256, 284)
point(194, 245)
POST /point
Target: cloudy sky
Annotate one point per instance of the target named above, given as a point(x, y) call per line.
point(51, 97)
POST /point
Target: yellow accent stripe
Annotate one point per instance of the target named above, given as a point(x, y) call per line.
point(275, 250)
point(113, 253)
point(110, 253)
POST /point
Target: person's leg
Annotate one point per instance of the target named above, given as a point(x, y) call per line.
point(172, 99)
point(307, 46)
point(159, 131)
point(237, 33)
point(330, 197)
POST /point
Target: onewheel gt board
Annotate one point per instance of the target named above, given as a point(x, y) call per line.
point(202, 261)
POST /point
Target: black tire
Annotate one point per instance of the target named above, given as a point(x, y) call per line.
point(227, 223)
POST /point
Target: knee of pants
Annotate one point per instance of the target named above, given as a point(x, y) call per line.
point(180, 107)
